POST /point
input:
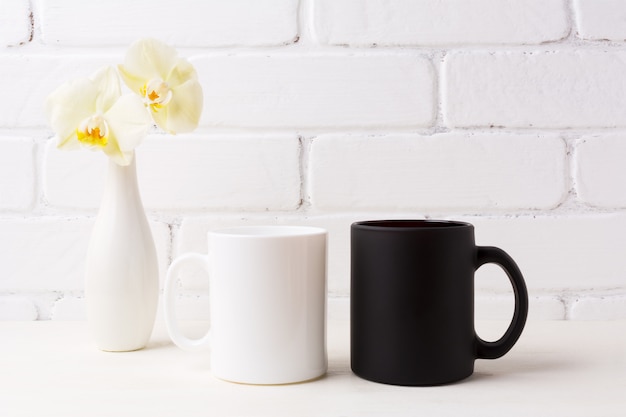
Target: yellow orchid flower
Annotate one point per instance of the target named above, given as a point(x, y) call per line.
point(167, 84)
point(91, 112)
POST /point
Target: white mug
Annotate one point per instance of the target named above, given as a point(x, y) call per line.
point(267, 302)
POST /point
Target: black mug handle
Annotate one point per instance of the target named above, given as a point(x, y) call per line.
point(493, 350)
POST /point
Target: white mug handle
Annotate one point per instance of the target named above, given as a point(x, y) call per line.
point(169, 300)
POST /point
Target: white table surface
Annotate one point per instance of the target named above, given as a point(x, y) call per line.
point(560, 368)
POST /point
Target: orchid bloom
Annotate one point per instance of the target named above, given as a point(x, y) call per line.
point(167, 84)
point(91, 112)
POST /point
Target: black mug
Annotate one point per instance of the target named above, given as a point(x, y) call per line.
point(412, 301)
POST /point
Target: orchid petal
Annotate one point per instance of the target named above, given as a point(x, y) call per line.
point(147, 59)
point(67, 106)
point(168, 85)
point(109, 90)
point(182, 113)
point(128, 121)
point(134, 81)
point(182, 72)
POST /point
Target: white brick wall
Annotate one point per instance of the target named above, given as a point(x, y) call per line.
point(443, 172)
point(318, 91)
point(183, 23)
point(570, 88)
point(601, 19)
point(600, 170)
point(428, 22)
point(508, 114)
point(17, 173)
point(15, 22)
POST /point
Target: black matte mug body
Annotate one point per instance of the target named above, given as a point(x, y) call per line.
point(412, 301)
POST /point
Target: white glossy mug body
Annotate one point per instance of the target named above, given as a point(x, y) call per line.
point(267, 301)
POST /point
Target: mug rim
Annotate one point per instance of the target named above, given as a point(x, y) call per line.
point(411, 224)
point(268, 231)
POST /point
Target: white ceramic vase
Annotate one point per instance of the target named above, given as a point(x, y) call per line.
point(121, 277)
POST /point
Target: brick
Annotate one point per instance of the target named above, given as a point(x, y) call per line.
point(15, 307)
point(317, 91)
point(455, 171)
point(48, 254)
point(185, 172)
point(600, 19)
point(432, 22)
point(27, 80)
point(599, 307)
point(500, 307)
point(600, 170)
point(69, 308)
point(74, 179)
point(563, 89)
point(17, 178)
point(555, 253)
point(42, 254)
point(184, 23)
point(15, 24)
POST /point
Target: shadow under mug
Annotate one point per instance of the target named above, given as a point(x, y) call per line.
point(412, 301)
point(267, 302)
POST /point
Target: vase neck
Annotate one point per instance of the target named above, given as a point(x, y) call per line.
point(121, 182)
point(119, 173)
